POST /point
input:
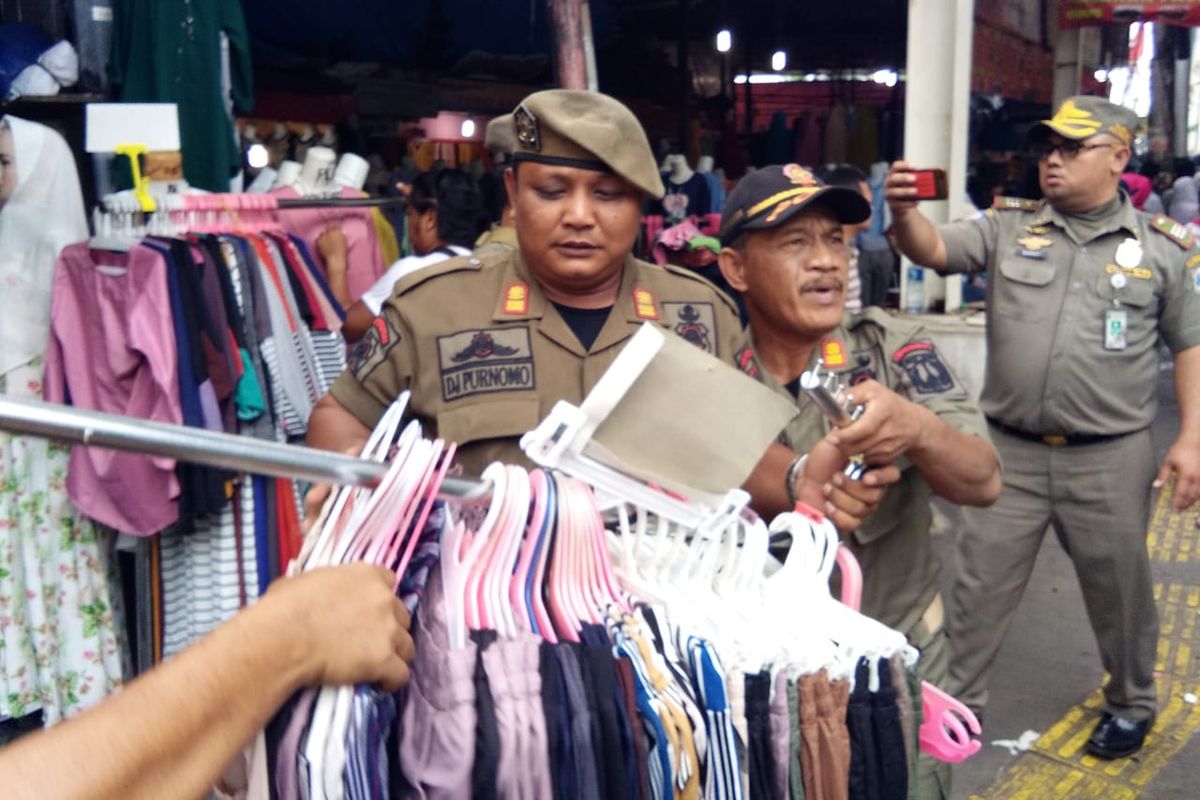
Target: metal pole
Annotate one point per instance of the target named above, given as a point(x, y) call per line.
point(685, 76)
point(200, 446)
point(570, 62)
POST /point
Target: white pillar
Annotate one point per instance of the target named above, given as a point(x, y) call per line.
point(937, 116)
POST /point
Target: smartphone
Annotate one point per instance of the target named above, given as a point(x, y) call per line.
point(931, 184)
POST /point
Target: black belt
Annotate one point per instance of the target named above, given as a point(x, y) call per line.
point(1055, 439)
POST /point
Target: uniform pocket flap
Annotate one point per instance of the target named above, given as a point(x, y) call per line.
point(495, 419)
point(1136, 291)
point(1028, 271)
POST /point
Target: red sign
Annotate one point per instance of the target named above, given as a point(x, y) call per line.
point(1081, 13)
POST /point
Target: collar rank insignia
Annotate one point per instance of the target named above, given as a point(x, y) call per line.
point(516, 299)
point(643, 304)
point(526, 127)
point(833, 353)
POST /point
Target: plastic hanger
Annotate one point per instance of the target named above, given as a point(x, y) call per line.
point(460, 550)
point(427, 503)
point(476, 612)
point(535, 591)
point(518, 595)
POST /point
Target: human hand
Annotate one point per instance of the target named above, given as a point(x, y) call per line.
point(349, 625)
point(889, 427)
point(1183, 461)
point(331, 245)
point(899, 189)
point(845, 501)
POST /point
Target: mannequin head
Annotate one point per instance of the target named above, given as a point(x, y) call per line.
point(316, 176)
point(704, 165)
point(8, 164)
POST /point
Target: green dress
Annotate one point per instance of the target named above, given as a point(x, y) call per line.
point(169, 51)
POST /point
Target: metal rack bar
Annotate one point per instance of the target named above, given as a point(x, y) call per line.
point(341, 202)
point(199, 446)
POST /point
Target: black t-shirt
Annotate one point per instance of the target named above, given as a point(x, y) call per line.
point(585, 323)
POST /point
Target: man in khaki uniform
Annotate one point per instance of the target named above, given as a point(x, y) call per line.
point(1081, 287)
point(488, 343)
point(784, 249)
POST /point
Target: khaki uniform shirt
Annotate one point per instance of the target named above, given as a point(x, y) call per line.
point(900, 567)
point(486, 355)
point(1048, 369)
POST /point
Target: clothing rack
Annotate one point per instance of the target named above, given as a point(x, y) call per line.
point(200, 446)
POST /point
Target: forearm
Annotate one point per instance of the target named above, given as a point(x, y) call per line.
point(768, 492)
point(960, 467)
point(332, 427)
point(358, 321)
point(171, 732)
point(919, 240)
point(1187, 392)
point(335, 272)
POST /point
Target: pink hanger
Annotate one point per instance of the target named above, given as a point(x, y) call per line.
point(585, 582)
point(498, 572)
point(461, 548)
point(520, 577)
point(562, 603)
point(476, 611)
point(610, 588)
point(429, 498)
point(395, 534)
point(944, 733)
point(541, 561)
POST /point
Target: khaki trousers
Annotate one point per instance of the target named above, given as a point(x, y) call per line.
point(1097, 497)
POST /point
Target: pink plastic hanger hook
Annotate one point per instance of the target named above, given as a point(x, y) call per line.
point(946, 732)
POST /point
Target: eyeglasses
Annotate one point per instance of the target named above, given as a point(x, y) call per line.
point(1067, 148)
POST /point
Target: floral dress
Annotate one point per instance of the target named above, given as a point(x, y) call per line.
point(59, 605)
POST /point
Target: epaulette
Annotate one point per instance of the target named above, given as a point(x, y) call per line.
point(467, 263)
point(1015, 204)
point(684, 272)
point(1177, 232)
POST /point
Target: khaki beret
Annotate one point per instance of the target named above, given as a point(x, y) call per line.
point(1083, 116)
point(499, 138)
point(587, 130)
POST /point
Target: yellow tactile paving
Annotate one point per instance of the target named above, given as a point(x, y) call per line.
point(1171, 537)
point(1057, 766)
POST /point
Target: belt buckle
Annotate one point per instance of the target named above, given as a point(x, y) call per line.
point(1055, 440)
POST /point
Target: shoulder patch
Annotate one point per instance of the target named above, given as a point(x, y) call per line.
point(695, 322)
point(372, 349)
point(1015, 204)
point(467, 263)
point(923, 365)
point(1177, 232)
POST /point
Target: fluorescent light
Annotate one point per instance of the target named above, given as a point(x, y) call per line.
point(765, 77)
point(779, 61)
point(724, 40)
point(468, 128)
point(257, 156)
point(886, 77)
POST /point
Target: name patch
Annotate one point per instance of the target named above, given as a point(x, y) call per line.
point(485, 361)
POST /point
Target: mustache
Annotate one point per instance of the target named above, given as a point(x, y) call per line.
point(823, 283)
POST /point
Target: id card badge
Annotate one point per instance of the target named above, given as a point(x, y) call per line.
point(1116, 325)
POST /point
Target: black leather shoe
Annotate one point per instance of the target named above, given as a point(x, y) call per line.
point(1115, 737)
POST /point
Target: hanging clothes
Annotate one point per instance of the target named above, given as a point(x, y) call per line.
point(61, 650)
point(364, 256)
point(171, 53)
